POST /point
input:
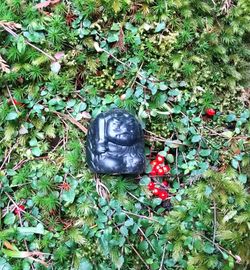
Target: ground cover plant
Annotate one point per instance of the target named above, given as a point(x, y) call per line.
point(182, 68)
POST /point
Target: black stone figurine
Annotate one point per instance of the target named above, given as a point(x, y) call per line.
point(115, 144)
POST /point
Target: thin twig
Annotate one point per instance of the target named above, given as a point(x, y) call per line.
point(14, 34)
point(7, 157)
point(162, 259)
point(101, 189)
point(12, 100)
point(138, 254)
point(146, 238)
point(72, 120)
point(236, 257)
point(140, 216)
point(215, 222)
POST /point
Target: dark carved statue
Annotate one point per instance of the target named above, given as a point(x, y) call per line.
point(115, 144)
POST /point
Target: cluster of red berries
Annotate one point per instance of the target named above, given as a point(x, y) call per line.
point(158, 166)
point(159, 192)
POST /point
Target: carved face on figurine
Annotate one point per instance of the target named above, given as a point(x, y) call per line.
point(115, 144)
point(122, 129)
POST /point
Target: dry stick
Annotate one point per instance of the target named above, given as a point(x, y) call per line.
point(176, 165)
point(101, 189)
point(162, 259)
point(58, 144)
point(138, 254)
point(19, 165)
point(215, 222)
point(72, 120)
point(219, 247)
point(14, 34)
point(160, 138)
point(12, 100)
point(140, 216)
point(137, 74)
point(146, 238)
point(7, 157)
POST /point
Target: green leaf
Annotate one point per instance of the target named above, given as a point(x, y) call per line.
point(124, 231)
point(33, 142)
point(235, 163)
point(85, 265)
point(16, 253)
point(205, 152)
point(55, 67)
point(229, 216)
point(170, 158)
point(208, 248)
point(160, 26)
point(243, 178)
point(129, 222)
point(39, 229)
point(231, 118)
point(208, 191)
point(163, 153)
point(113, 37)
point(68, 196)
point(145, 180)
point(117, 5)
point(11, 116)
point(196, 138)
point(227, 134)
point(143, 245)
point(21, 45)
point(36, 151)
point(5, 265)
point(163, 86)
point(174, 93)
point(119, 262)
point(9, 219)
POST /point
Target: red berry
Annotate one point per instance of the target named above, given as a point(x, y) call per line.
point(159, 159)
point(151, 186)
point(18, 210)
point(210, 112)
point(153, 172)
point(163, 194)
point(156, 191)
point(161, 171)
point(166, 168)
point(165, 183)
point(153, 163)
point(157, 167)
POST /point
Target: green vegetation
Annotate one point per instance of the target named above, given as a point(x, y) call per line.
point(62, 63)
